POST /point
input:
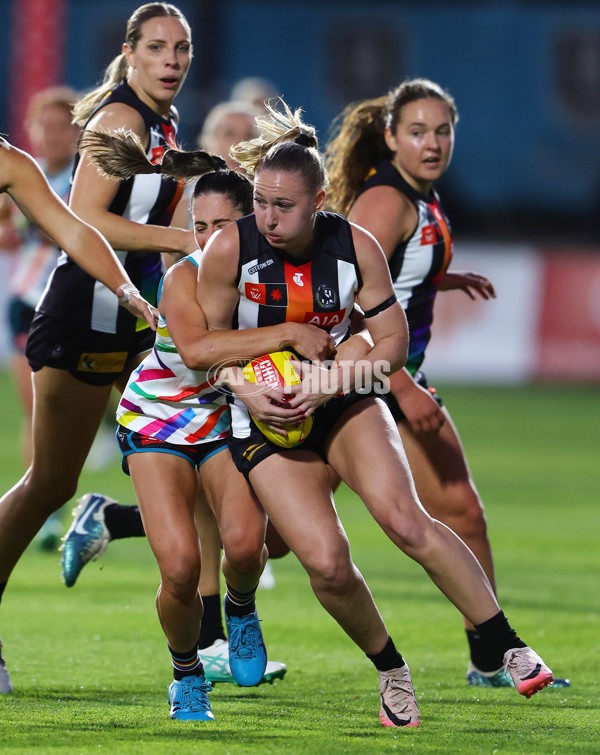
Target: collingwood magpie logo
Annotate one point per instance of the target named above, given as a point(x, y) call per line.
point(326, 297)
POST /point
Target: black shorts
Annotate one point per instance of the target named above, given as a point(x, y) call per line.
point(89, 355)
point(131, 442)
point(394, 406)
point(20, 315)
point(248, 452)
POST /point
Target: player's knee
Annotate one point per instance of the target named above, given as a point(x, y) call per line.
point(464, 513)
point(473, 524)
point(243, 549)
point(408, 531)
point(332, 573)
point(180, 575)
point(50, 491)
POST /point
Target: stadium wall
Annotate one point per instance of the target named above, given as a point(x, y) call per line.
point(543, 325)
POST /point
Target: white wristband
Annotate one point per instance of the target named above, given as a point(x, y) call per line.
point(128, 290)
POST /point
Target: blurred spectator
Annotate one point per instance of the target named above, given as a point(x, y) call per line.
point(254, 90)
point(53, 138)
point(225, 125)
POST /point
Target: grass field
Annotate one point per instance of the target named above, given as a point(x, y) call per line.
point(91, 669)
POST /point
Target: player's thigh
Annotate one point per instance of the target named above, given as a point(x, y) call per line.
point(439, 467)
point(366, 450)
point(22, 373)
point(66, 417)
point(229, 494)
point(295, 490)
point(165, 488)
point(206, 522)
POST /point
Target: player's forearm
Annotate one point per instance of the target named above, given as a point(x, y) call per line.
point(126, 235)
point(232, 347)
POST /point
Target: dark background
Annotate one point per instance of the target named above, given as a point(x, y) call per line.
point(525, 76)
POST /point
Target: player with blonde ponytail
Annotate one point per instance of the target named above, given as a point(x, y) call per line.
point(291, 261)
point(81, 342)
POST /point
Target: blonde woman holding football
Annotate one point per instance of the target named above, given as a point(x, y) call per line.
point(291, 261)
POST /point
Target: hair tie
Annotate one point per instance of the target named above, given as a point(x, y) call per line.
point(219, 163)
point(304, 140)
point(158, 168)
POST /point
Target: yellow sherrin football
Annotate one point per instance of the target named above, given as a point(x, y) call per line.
point(276, 371)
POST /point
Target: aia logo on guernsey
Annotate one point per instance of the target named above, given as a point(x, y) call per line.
point(429, 235)
point(325, 319)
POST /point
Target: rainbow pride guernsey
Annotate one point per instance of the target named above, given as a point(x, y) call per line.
point(165, 400)
point(419, 263)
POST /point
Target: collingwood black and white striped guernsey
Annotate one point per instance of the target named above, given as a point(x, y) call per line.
point(71, 294)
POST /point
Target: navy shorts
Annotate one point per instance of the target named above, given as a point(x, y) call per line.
point(131, 442)
point(248, 452)
point(20, 315)
point(89, 355)
point(394, 406)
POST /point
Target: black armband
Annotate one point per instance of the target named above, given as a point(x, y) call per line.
point(381, 307)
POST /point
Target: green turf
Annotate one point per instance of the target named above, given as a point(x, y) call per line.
point(90, 665)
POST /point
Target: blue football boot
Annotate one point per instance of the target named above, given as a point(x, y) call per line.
point(86, 538)
point(189, 699)
point(247, 651)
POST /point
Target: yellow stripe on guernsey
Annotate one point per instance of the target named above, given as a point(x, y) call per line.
point(128, 417)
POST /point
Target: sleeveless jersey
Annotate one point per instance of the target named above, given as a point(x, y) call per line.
point(166, 400)
point(417, 264)
point(275, 287)
point(37, 255)
point(72, 294)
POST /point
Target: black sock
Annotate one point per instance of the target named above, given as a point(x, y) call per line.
point(211, 628)
point(482, 656)
point(2, 588)
point(186, 664)
point(496, 636)
point(388, 659)
point(123, 521)
point(239, 604)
